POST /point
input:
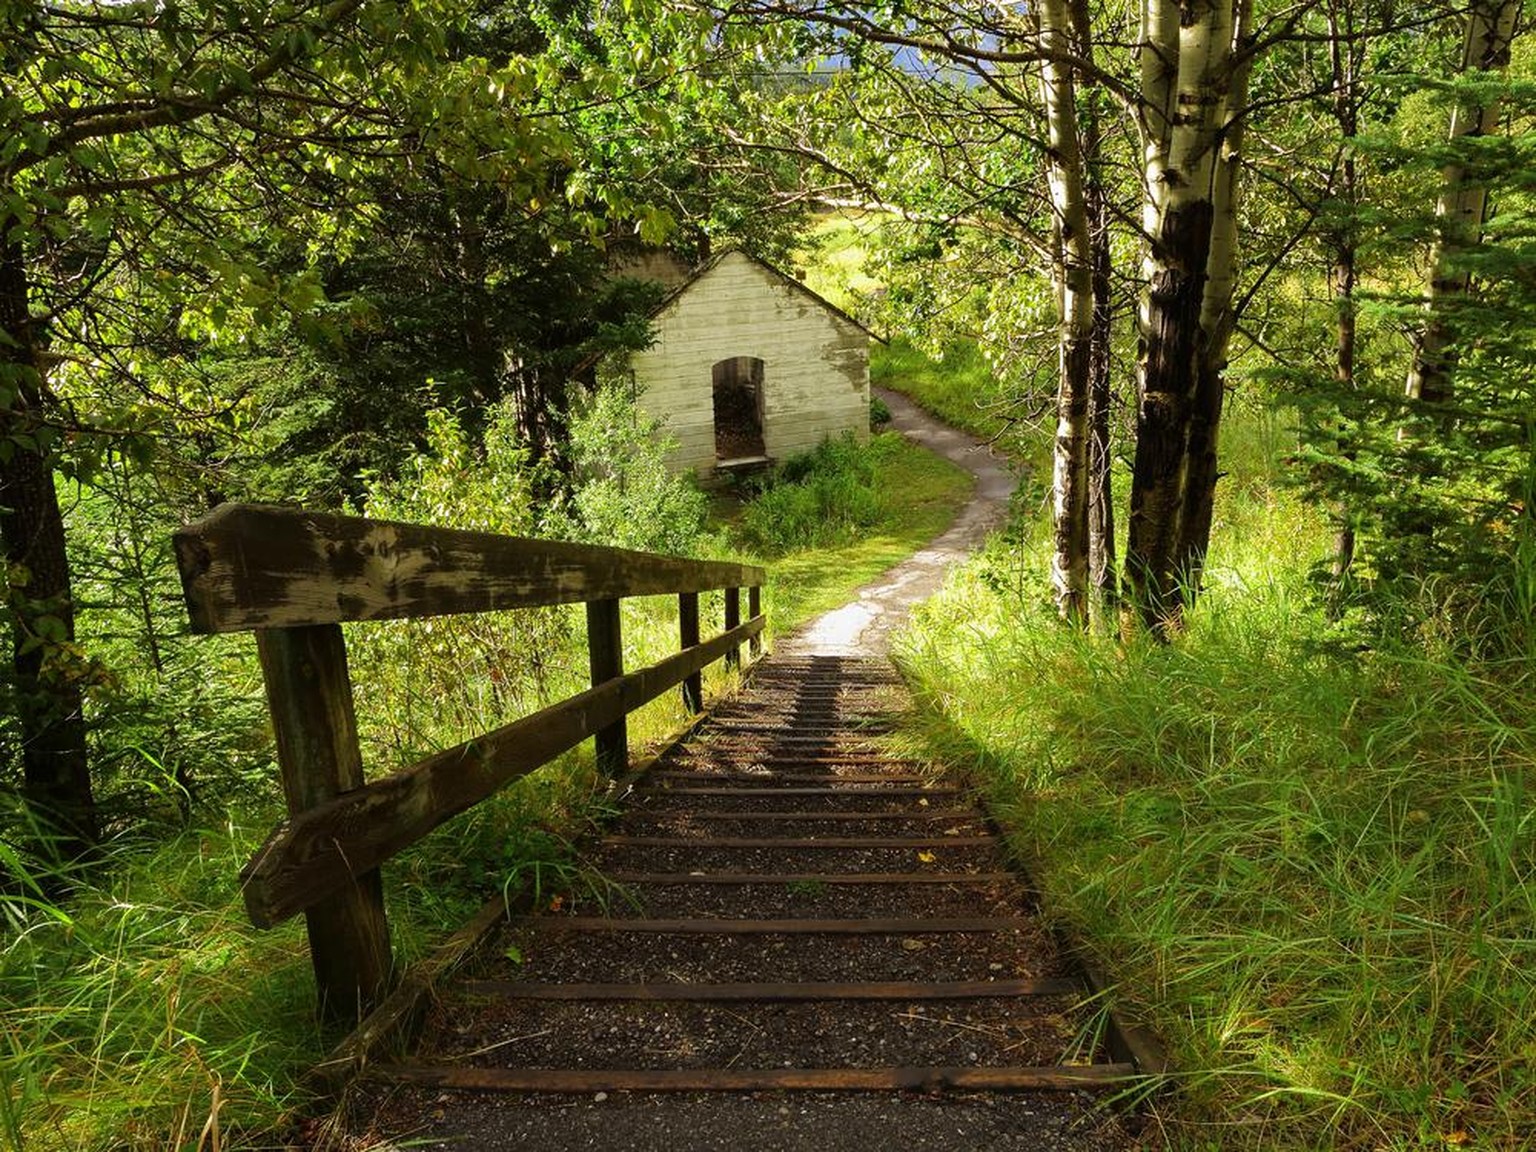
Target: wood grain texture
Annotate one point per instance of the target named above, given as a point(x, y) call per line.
point(787, 993)
point(318, 852)
point(265, 566)
point(605, 657)
point(310, 697)
point(732, 619)
point(1061, 1077)
point(688, 636)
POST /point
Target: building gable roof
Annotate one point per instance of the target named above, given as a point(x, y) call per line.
point(703, 270)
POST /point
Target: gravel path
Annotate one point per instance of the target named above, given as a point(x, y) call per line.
point(864, 627)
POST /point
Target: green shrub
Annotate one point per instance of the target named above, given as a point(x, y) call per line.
point(824, 497)
point(624, 494)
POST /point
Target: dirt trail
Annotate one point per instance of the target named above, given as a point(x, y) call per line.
point(864, 626)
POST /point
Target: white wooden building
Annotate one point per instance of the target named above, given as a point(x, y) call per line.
point(750, 366)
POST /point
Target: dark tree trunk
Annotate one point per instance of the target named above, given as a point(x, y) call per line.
point(1171, 345)
point(49, 706)
point(1200, 476)
point(1342, 278)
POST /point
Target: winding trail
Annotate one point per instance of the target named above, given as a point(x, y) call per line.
point(865, 625)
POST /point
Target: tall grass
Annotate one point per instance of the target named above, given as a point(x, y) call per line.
point(1310, 863)
point(959, 388)
point(144, 1010)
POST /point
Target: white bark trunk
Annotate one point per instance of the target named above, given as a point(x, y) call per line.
point(1191, 262)
point(1460, 206)
point(1069, 562)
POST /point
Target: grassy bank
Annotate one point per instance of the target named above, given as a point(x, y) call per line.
point(913, 496)
point(144, 1010)
point(1310, 863)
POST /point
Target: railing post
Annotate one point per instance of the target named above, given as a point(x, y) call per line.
point(732, 619)
point(688, 632)
point(605, 653)
point(754, 610)
point(310, 697)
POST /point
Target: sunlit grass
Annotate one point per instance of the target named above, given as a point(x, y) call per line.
point(1310, 863)
point(961, 390)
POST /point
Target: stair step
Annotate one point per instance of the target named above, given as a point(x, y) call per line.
point(916, 1079)
point(867, 926)
point(794, 991)
point(731, 878)
point(828, 843)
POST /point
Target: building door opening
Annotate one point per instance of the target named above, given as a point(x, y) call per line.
point(738, 388)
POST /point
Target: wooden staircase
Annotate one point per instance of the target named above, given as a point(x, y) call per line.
point(792, 907)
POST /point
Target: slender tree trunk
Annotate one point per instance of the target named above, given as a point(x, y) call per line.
point(1461, 206)
point(1189, 63)
point(49, 706)
point(1103, 580)
point(1342, 280)
point(1342, 274)
point(1069, 562)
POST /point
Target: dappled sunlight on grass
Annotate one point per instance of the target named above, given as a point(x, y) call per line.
point(1309, 863)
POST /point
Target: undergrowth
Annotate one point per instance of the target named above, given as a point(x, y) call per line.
point(144, 1012)
point(961, 389)
point(1308, 861)
point(836, 519)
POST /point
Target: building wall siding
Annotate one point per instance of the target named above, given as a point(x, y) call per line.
point(815, 362)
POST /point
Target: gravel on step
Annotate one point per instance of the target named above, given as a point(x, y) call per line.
point(1032, 1031)
point(759, 1122)
point(620, 957)
point(808, 898)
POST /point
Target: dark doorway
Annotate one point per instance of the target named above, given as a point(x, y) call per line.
point(738, 386)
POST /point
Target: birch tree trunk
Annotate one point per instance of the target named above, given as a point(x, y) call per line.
point(1460, 206)
point(1217, 321)
point(1103, 580)
point(1193, 90)
point(1069, 560)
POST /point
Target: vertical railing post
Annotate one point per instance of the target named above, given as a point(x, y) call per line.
point(310, 696)
point(605, 652)
point(754, 610)
point(732, 619)
point(688, 634)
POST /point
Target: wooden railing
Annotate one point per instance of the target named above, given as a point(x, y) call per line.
point(294, 577)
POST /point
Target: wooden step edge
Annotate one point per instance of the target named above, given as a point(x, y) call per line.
point(731, 878)
point(699, 750)
point(792, 992)
point(908, 814)
point(827, 842)
point(915, 1079)
point(702, 777)
point(796, 730)
point(857, 926)
point(873, 791)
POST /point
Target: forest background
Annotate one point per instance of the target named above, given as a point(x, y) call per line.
point(1267, 270)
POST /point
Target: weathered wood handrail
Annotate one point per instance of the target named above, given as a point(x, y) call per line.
point(295, 576)
point(247, 566)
